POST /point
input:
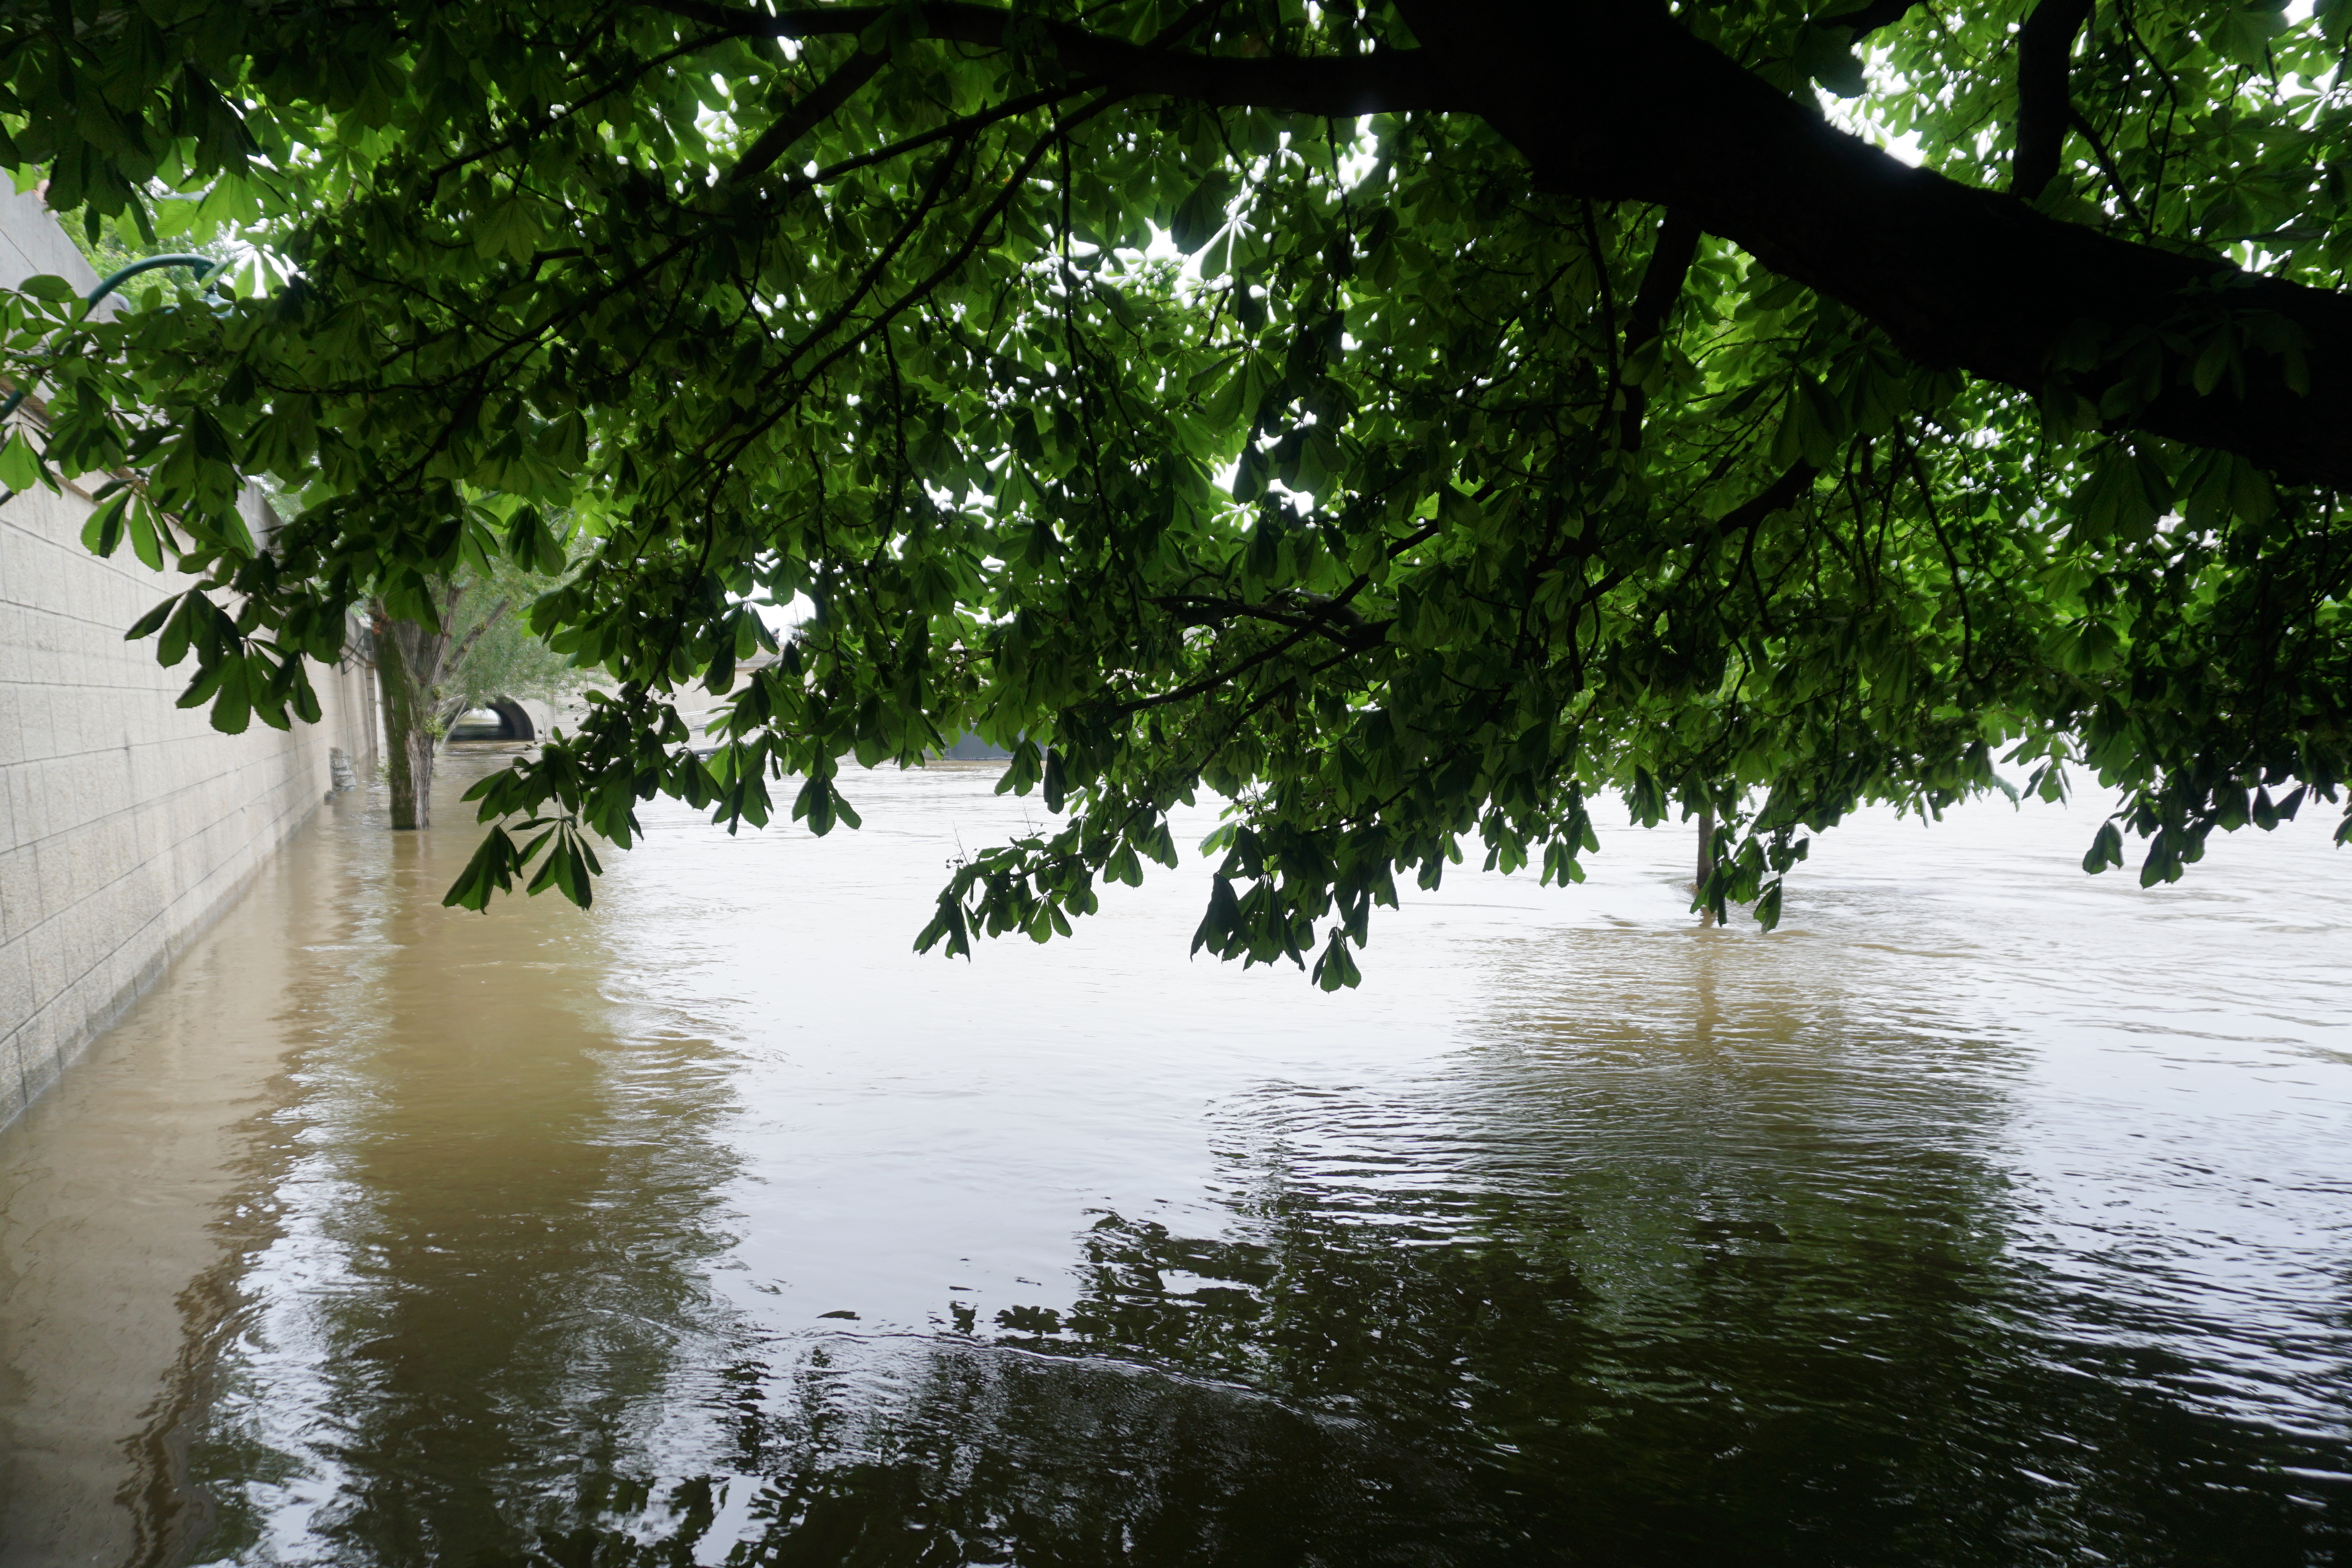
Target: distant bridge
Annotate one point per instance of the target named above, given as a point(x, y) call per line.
point(504, 718)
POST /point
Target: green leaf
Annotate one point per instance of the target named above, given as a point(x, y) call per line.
point(1813, 427)
point(491, 870)
point(1823, 55)
point(147, 624)
point(233, 698)
point(2106, 849)
point(2245, 32)
point(103, 531)
point(1201, 214)
point(1336, 968)
point(2128, 492)
point(143, 540)
point(509, 230)
point(1056, 791)
point(1218, 256)
point(20, 465)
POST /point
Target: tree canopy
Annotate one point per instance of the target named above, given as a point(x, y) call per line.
point(1412, 422)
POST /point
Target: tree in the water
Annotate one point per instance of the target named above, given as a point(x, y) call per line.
point(409, 656)
point(1409, 421)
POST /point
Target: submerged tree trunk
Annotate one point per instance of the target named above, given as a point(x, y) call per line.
point(408, 661)
point(1706, 857)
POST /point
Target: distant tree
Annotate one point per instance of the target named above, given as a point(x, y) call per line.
point(467, 644)
point(506, 658)
point(1555, 402)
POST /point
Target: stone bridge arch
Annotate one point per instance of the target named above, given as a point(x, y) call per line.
point(513, 718)
point(516, 717)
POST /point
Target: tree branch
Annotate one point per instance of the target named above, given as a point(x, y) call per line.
point(1867, 19)
point(2115, 176)
point(1613, 101)
point(805, 115)
point(2045, 48)
point(1337, 620)
point(1661, 284)
point(1385, 82)
point(1777, 497)
point(454, 657)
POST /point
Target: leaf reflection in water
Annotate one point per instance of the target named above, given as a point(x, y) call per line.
point(994, 1454)
point(1444, 1387)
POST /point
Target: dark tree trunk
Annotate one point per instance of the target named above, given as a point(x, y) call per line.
point(408, 661)
point(1706, 857)
point(2045, 45)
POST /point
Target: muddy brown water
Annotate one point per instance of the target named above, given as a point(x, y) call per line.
point(1984, 1214)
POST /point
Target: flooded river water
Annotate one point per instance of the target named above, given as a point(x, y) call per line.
point(1984, 1214)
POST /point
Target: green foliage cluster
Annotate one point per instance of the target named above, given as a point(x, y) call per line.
point(1413, 509)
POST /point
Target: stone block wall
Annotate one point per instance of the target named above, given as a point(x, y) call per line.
point(126, 823)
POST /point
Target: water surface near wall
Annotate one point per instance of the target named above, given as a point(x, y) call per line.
point(1983, 1213)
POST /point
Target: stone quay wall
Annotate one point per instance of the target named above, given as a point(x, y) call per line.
point(126, 823)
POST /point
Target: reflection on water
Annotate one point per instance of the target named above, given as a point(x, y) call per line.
point(1984, 1215)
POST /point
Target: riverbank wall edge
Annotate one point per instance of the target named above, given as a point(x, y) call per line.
point(127, 823)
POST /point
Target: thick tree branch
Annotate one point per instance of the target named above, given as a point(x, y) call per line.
point(806, 116)
point(1611, 100)
point(1867, 19)
point(1662, 280)
point(457, 656)
point(1337, 620)
point(1671, 256)
point(1387, 82)
point(2045, 49)
point(1777, 497)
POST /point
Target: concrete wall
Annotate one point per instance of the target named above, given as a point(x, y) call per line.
point(31, 242)
point(126, 824)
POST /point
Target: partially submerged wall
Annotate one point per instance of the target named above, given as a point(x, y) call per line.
point(126, 823)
